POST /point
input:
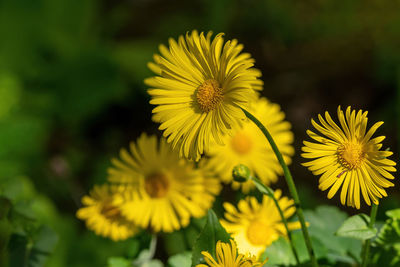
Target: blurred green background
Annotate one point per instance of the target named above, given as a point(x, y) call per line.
point(72, 92)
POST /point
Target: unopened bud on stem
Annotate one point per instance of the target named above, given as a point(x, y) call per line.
point(241, 173)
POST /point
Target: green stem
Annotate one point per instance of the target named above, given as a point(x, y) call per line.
point(269, 192)
point(366, 246)
point(291, 186)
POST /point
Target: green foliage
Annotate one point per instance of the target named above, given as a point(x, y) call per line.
point(178, 243)
point(279, 253)
point(32, 248)
point(183, 239)
point(6, 229)
point(27, 242)
point(393, 214)
point(329, 248)
point(122, 262)
point(119, 262)
point(324, 222)
point(386, 246)
point(72, 94)
point(357, 227)
point(145, 258)
point(181, 260)
point(208, 238)
point(389, 234)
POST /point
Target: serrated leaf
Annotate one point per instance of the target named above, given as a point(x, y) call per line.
point(389, 233)
point(357, 227)
point(211, 233)
point(180, 260)
point(387, 257)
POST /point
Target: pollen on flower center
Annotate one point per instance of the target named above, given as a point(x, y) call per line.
point(209, 95)
point(156, 185)
point(259, 233)
point(241, 143)
point(351, 155)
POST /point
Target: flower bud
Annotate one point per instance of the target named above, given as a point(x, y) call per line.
point(241, 173)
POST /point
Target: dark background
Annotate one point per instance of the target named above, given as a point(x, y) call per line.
point(72, 91)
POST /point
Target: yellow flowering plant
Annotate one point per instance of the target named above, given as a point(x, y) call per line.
point(218, 129)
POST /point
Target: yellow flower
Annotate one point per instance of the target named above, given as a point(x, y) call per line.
point(254, 226)
point(200, 86)
point(165, 191)
point(102, 213)
point(227, 256)
point(348, 157)
point(249, 146)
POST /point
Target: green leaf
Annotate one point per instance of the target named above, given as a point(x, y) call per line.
point(263, 188)
point(323, 223)
point(118, 262)
point(175, 242)
point(144, 256)
point(386, 247)
point(17, 247)
point(300, 245)
point(279, 253)
point(357, 227)
point(183, 240)
point(6, 230)
point(387, 257)
point(389, 234)
point(35, 248)
point(45, 241)
point(152, 263)
point(211, 233)
point(181, 260)
point(394, 214)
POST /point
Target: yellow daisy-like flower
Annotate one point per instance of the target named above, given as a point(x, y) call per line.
point(200, 88)
point(227, 256)
point(102, 213)
point(165, 190)
point(254, 226)
point(249, 146)
point(347, 157)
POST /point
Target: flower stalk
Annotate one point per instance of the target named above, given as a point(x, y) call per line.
point(367, 243)
point(291, 186)
point(269, 192)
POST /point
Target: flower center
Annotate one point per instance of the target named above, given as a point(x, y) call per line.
point(110, 211)
point(209, 95)
point(351, 155)
point(156, 185)
point(259, 233)
point(241, 143)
